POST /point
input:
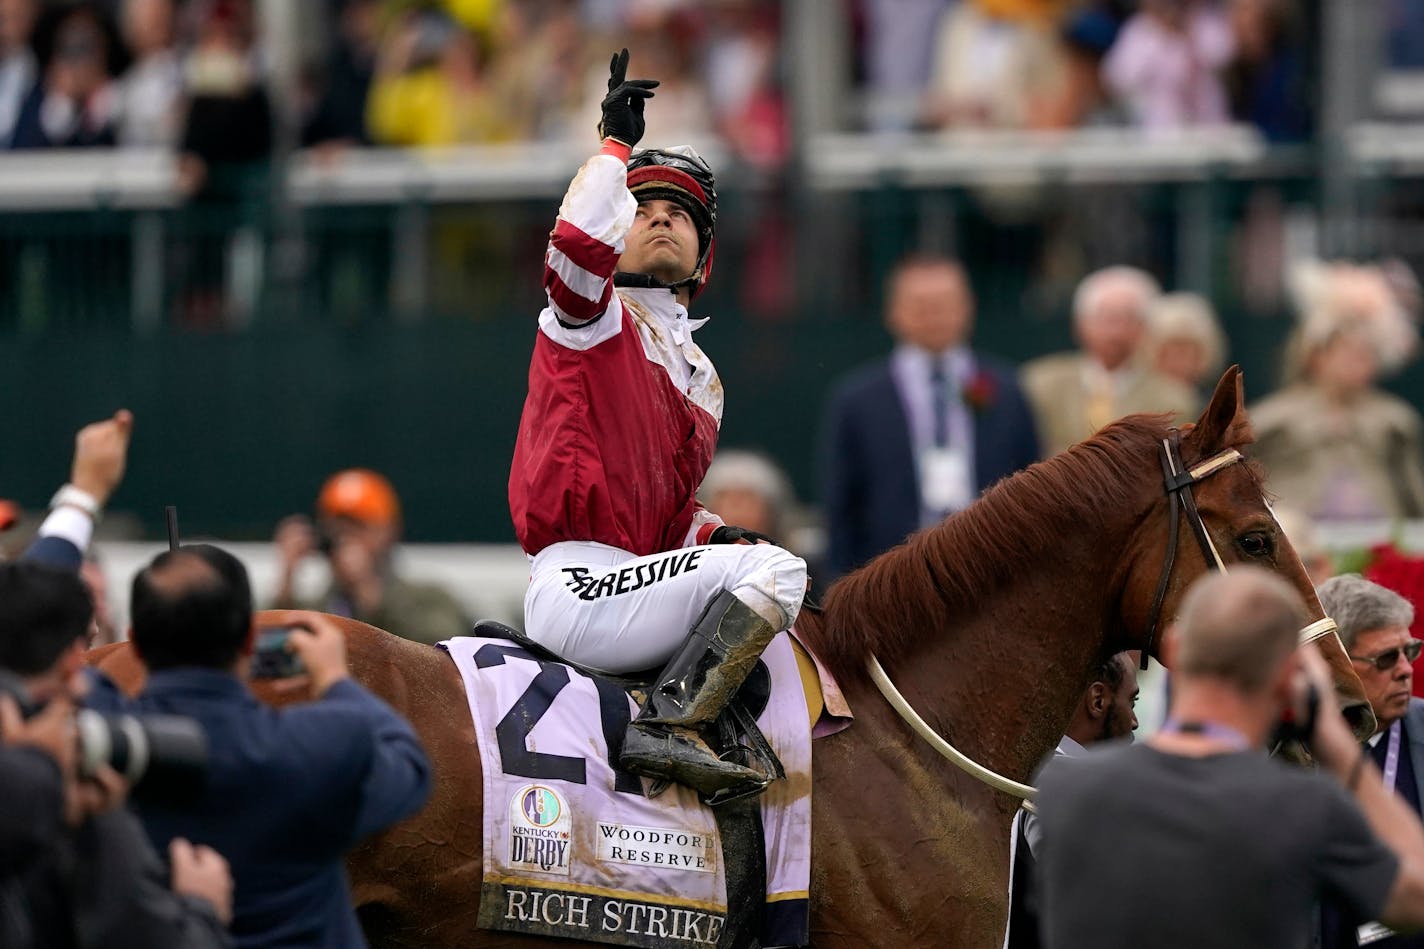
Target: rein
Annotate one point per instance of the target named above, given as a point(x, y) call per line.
point(1178, 481)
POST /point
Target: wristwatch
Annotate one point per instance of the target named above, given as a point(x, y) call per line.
point(70, 496)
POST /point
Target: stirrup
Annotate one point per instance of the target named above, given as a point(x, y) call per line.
point(750, 789)
point(718, 798)
point(680, 754)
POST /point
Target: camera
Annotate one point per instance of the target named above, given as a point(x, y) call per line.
point(162, 757)
point(271, 659)
point(1298, 723)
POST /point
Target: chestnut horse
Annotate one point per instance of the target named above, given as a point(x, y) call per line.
point(989, 623)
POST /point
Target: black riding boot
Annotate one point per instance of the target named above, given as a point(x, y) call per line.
point(699, 680)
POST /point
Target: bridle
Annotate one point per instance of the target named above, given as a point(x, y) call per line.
point(1178, 483)
point(1177, 480)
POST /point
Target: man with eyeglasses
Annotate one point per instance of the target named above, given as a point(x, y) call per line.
point(1374, 628)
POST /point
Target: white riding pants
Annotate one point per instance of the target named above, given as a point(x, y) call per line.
point(611, 611)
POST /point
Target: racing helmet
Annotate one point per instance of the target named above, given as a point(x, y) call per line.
point(679, 174)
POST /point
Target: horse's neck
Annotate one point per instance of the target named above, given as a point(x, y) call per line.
point(1001, 683)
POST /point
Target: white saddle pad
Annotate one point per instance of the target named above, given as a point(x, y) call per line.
point(573, 848)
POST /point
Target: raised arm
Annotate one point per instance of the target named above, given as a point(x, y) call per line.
point(597, 210)
point(100, 455)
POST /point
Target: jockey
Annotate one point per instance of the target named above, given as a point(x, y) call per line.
point(628, 571)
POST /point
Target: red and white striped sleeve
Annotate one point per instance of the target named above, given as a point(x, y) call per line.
point(596, 214)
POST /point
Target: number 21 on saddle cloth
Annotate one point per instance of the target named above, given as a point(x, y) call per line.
point(574, 848)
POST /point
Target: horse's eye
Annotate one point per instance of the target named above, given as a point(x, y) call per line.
point(1256, 544)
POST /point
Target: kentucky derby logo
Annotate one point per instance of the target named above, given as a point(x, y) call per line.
point(541, 806)
point(539, 830)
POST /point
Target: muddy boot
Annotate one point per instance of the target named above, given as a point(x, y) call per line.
point(699, 680)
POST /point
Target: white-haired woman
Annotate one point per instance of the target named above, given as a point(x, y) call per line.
point(1338, 447)
point(1184, 339)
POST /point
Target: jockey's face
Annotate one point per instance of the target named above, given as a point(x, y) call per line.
point(662, 243)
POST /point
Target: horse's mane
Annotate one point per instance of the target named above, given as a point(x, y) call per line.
point(943, 570)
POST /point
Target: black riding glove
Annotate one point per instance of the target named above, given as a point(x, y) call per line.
point(726, 534)
point(623, 106)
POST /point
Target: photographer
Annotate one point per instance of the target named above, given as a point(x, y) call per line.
point(288, 791)
point(357, 529)
point(1195, 838)
point(77, 870)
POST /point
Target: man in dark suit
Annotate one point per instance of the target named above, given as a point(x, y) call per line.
point(1374, 628)
point(919, 435)
point(289, 791)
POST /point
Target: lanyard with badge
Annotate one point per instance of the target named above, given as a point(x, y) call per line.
point(945, 478)
point(1375, 931)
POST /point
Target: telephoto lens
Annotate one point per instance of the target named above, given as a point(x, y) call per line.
point(163, 757)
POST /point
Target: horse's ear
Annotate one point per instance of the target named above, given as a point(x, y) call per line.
point(1224, 423)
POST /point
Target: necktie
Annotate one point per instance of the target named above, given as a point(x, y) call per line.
point(1100, 402)
point(939, 395)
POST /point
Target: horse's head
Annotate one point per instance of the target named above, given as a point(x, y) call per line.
point(1219, 516)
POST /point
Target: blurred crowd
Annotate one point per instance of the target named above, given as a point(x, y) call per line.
point(195, 74)
point(1057, 64)
point(135, 73)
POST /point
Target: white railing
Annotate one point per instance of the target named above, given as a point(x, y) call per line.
point(88, 179)
point(148, 179)
point(144, 178)
point(1083, 156)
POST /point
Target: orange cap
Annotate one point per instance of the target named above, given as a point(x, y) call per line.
point(360, 494)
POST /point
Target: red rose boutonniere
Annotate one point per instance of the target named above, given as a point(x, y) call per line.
point(979, 392)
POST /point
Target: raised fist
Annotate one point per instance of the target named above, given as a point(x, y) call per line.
point(100, 453)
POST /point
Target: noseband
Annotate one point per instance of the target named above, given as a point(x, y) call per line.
point(1178, 480)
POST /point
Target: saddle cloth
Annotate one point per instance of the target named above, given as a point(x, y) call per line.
point(573, 848)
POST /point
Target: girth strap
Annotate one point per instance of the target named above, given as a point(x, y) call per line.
point(743, 837)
